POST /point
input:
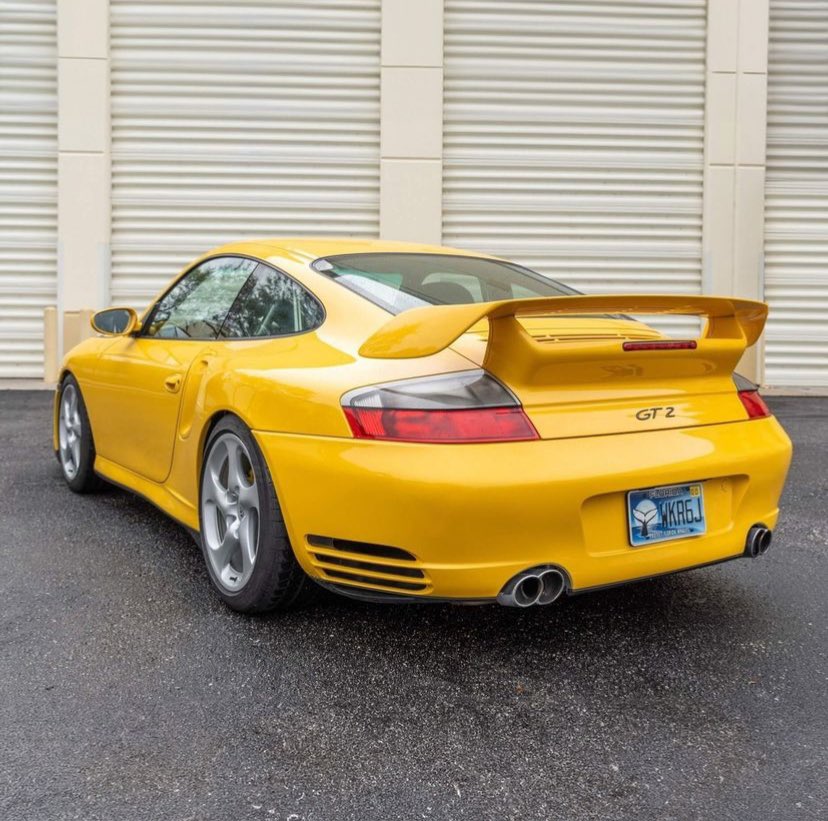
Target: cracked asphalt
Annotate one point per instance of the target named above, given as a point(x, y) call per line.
point(128, 691)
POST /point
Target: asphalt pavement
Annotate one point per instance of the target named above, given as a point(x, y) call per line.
point(128, 691)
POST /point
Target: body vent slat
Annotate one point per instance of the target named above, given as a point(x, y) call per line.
point(589, 337)
point(380, 551)
point(359, 578)
point(388, 569)
point(366, 564)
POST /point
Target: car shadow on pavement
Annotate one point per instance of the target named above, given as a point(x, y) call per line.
point(671, 620)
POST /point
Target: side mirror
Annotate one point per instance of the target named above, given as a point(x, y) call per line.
point(115, 321)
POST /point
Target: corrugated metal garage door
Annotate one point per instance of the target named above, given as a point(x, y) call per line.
point(28, 181)
point(796, 203)
point(234, 120)
point(574, 138)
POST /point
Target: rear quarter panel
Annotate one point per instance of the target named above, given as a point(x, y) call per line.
point(290, 384)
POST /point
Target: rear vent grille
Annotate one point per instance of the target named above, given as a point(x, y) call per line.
point(590, 337)
point(364, 564)
point(412, 572)
point(372, 580)
point(381, 551)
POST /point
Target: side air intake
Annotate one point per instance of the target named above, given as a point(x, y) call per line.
point(363, 564)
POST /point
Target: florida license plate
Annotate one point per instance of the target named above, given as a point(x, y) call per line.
point(659, 514)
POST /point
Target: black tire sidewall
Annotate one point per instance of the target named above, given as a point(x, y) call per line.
point(85, 478)
point(275, 561)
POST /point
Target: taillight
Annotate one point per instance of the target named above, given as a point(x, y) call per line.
point(470, 406)
point(754, 404)
point(750, 398)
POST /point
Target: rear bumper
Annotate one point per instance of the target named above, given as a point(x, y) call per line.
point(472, 516)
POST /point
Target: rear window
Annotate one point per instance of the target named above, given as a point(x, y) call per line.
point(398, 282)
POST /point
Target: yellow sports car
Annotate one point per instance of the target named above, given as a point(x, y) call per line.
point(401, 422)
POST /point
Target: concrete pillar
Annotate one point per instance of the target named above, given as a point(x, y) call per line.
point(83, 162)
point(734, 174)
point(411, 121)
point(50, 345)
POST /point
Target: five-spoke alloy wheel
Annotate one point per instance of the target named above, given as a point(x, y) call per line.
point(243, 534)
point(70, 428)
point(230, 511)
point(75, 445)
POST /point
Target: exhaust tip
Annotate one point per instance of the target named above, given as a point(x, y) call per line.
point(553, 585)
point(528, 590)
point(537, 585)
point(758, 541)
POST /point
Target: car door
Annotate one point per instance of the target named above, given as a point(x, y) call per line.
point(139, 379)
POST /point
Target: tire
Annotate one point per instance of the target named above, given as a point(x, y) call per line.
point(242, 531)
point(76, 446)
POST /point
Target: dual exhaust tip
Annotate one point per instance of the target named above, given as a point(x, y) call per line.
point(539, 585)
point(543, 585)
point(758, 541)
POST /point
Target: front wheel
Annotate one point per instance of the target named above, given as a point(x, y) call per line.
point(76, 448)
point(243, 536)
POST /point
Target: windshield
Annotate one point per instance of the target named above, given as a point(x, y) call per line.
point(399, 281)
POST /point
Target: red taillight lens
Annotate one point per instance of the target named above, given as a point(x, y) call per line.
point(754, 404)
point(467, 425)
point(465, 406)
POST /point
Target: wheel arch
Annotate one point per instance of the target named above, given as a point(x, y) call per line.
point(206, 431)
point(208, 427)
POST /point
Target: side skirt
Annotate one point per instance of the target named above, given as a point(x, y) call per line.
point(157, 495)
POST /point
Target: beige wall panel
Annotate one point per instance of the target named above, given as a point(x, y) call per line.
point(721, 116)
point(722, 35)
point(84, 191)
point(411, 199)
point(412, 113)
point(735, 151)
point(50, 344)
point(718, 235)
point(753, 35)
point(751, 119)
point(84, 28)
point(748, 229)
point(412, 32)
point(83, 103)
point(83, 228)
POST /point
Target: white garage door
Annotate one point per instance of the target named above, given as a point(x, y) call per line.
point(28, 181)
point(574, 138)
point(796, 202)
point(234, 120)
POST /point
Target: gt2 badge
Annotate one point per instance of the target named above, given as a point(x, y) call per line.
point(645, 414)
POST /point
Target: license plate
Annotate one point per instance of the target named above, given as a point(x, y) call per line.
point(659, 514)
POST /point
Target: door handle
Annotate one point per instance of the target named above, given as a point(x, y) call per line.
point(173, 383)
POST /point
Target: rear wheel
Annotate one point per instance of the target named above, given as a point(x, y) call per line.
point(243, 536)
point(76, 448)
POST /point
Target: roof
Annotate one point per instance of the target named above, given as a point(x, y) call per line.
point(307, 249)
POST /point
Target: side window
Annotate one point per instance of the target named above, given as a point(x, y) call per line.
point(198, 304)
point(272, 304)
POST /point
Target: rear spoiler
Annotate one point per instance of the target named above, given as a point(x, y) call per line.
point(426, 331)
